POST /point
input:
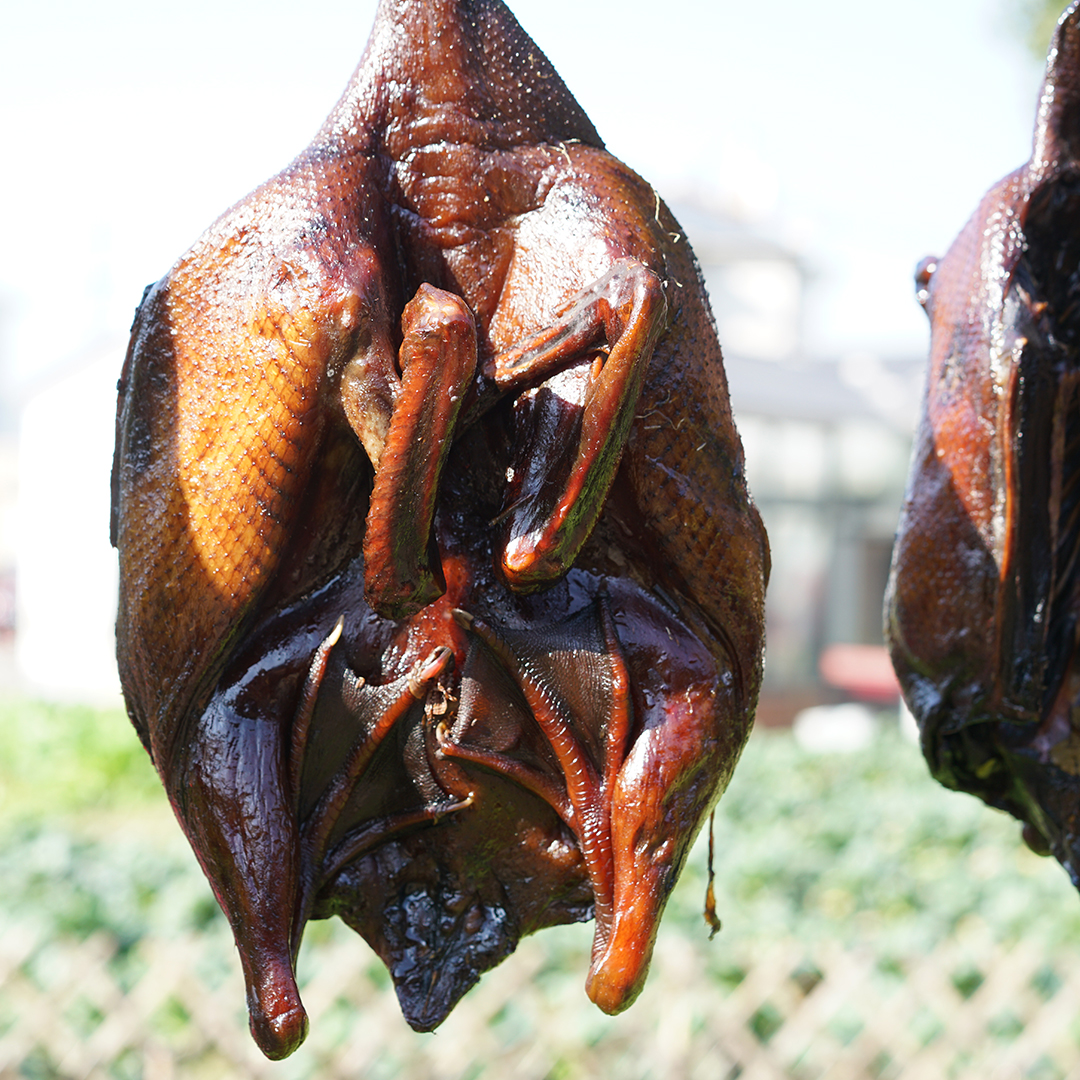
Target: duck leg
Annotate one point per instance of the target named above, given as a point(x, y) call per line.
point(438, 363)
point(377, 710)
point(572, 680)
point(572, 440)
point(329, 838)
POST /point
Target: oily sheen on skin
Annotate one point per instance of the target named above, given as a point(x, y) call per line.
point(441, 591)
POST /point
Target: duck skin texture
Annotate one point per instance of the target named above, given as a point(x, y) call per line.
point(982, 612)
point(441, 591)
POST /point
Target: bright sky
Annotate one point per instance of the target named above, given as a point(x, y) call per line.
point(863, 133)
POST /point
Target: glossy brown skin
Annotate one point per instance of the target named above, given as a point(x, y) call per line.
point(441, 589)
point(985, 592)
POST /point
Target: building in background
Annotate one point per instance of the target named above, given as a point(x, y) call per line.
point(827, 446)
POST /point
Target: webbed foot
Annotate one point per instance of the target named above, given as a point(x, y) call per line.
point(550, 708)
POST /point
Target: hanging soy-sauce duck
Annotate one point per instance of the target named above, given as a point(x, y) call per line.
point(441, 589)
point(983, 614)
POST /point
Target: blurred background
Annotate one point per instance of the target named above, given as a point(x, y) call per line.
point(813, 154)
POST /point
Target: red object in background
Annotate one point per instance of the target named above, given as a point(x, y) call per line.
point(863, 671)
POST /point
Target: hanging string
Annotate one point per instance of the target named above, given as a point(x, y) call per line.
point(710, 896)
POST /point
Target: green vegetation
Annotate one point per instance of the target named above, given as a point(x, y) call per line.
point(58, 761)
point(87, 841)
point(860, 847)
point(865, 847)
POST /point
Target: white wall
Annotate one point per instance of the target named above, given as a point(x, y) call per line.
point(66, 569)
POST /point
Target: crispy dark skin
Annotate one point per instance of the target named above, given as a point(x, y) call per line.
point(441, 600)
point(983, 606)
